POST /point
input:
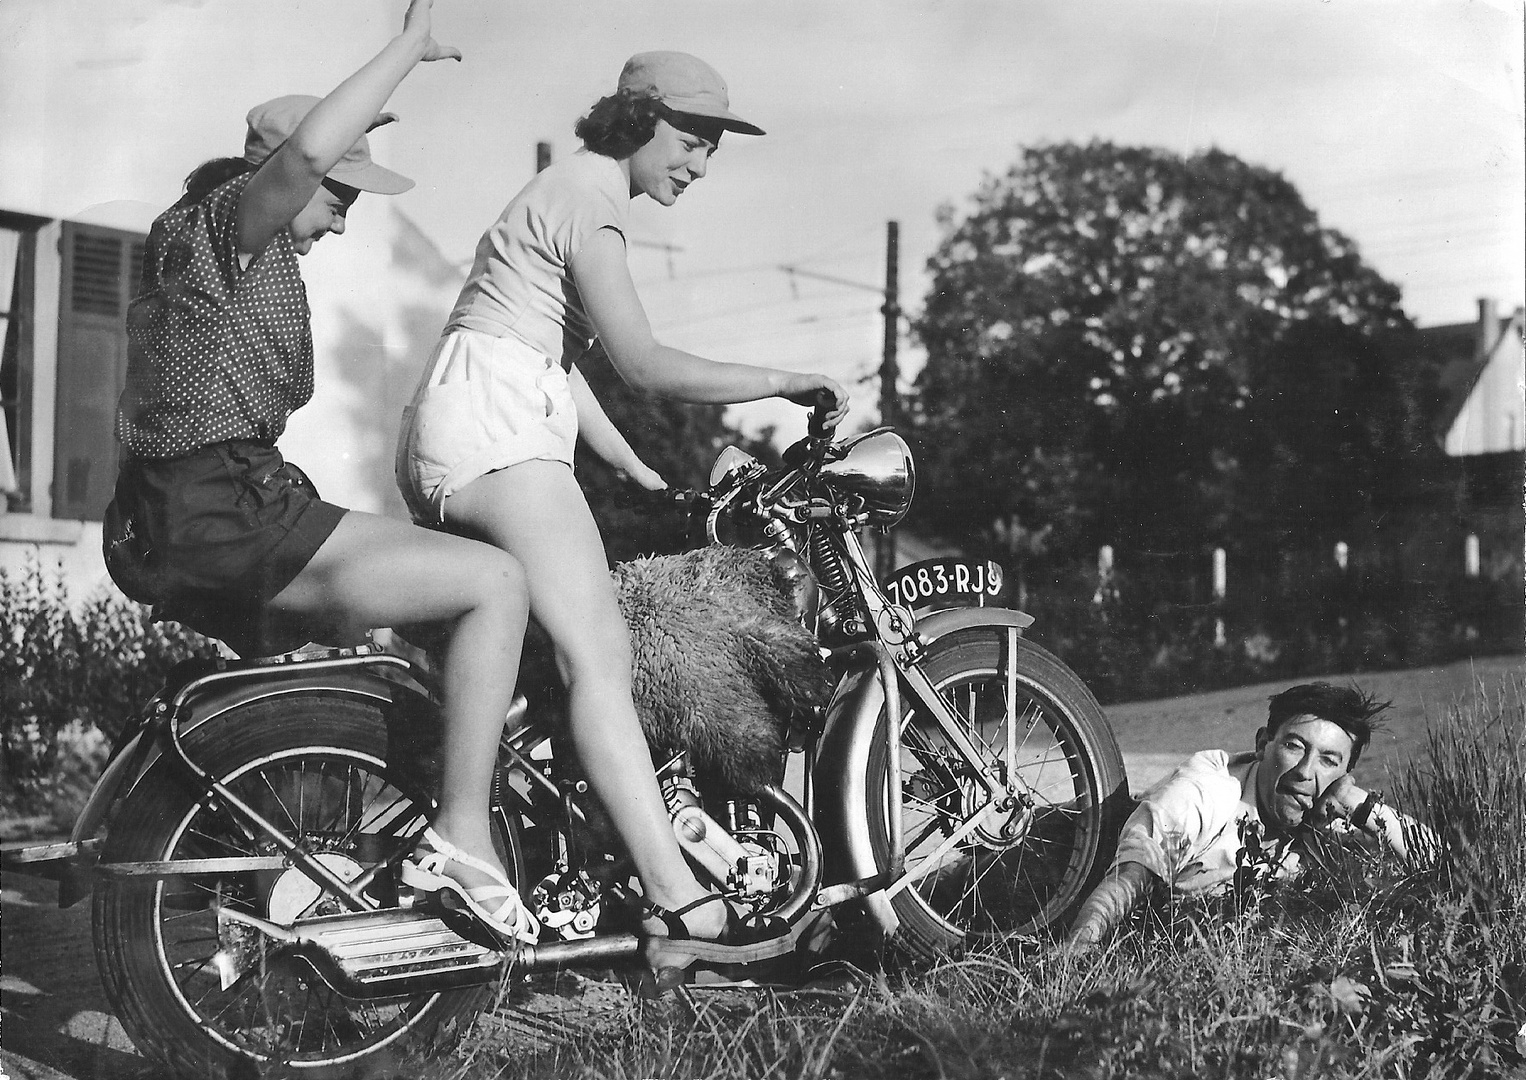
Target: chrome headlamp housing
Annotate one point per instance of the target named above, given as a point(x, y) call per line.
point(876, 467)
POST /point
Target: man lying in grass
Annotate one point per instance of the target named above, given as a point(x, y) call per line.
point(1223, 819)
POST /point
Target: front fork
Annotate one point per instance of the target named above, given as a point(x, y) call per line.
point(899, 649)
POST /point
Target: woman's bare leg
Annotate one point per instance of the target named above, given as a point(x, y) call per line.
point(377, 571)
point(536, 512)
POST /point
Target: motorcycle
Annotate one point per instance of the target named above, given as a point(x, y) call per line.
point(954, 783)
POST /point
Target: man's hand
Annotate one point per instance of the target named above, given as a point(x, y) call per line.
point(1117, 894)
point(1338, 801)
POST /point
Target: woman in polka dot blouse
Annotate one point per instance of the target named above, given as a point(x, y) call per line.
point(215, 529)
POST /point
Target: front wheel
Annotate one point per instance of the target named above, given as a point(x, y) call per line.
point(1027, 868)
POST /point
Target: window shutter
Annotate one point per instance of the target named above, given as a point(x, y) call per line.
point(101, 271)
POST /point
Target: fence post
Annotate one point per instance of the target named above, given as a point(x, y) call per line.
point(1104, 574)
point(1220, 590)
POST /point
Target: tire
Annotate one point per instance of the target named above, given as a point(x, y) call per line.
point(311, 762)
point(1071, 778)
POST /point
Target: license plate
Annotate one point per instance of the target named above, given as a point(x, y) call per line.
point(942, 583)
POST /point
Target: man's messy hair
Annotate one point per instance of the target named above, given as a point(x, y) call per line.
point(1347, 707)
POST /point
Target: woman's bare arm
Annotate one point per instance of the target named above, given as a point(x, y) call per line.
point(604, 281)
point(598, 431)
point(286, 181)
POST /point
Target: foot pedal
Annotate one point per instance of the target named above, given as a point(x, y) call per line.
point(389, 953)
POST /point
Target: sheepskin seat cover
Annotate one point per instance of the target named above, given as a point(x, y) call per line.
point(722, 665)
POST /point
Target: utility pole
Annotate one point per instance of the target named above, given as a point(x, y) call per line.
point(890, 409)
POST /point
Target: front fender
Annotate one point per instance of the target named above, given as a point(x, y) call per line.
point(841, 776)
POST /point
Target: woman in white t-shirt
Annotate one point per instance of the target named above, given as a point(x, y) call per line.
point(487, 445)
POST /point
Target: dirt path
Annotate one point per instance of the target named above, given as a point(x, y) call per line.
point(55, 1019)
point(1155, 735)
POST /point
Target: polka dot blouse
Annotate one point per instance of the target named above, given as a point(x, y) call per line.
point(215, 352)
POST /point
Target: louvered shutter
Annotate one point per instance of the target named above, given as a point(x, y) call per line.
point(101, 271)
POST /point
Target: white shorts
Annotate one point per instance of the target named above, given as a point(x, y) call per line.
point(484, 403)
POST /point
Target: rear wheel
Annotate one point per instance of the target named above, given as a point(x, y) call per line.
point(1026, 868)
point(316, 766)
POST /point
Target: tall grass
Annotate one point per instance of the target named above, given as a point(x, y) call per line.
point(1365, 968)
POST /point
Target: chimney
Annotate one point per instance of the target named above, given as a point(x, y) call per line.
point(1488, 328)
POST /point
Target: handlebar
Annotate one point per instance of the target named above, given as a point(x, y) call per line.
point(632, 497)
point(816, 426)
point(812, 450)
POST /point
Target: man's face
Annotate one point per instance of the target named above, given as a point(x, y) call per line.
point(1298, 761)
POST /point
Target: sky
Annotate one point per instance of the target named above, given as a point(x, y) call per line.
point(1400, 121)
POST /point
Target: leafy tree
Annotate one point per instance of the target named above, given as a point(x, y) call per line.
point(1126, 346)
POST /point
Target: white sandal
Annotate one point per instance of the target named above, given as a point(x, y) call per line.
point(496, 905)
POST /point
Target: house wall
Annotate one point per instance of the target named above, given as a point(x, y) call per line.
point(379, 296)
point(1493, 418)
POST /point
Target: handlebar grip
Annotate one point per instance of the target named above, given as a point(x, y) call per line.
point(816, 426)
point(644, 501)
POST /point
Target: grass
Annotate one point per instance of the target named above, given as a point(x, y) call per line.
point(1364, 968)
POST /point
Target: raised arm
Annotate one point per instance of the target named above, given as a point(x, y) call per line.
point(284, 183)
point(609, 295)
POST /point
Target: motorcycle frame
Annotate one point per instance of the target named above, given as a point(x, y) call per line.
point(874, 673)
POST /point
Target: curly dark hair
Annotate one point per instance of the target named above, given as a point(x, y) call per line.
point(211, 175)
point(1347, 707)
point(622, 123)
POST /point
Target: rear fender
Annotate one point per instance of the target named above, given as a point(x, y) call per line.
point(841, 776)
point(142, 759)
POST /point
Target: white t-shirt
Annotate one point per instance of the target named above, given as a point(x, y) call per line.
point(1199, 825)
point(521, 281)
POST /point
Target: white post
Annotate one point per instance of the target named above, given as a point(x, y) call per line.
point(1104, 573)
point(49, 295)
point(1470, 555)
point(1342, 554)
point(1220, 589)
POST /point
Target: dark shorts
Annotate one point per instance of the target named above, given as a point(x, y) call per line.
point(209, 539)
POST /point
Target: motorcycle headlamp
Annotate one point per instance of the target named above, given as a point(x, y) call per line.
point(877, 467)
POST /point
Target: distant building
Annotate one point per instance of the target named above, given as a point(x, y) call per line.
point(1484, 379)
point(1474, 533)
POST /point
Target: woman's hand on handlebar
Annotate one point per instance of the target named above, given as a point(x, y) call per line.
point(643, 476)
point(818, 392)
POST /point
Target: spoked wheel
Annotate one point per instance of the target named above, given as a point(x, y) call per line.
point(1030, 860)
point(211, 1002)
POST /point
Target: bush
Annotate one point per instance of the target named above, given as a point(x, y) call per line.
point(70, 676)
